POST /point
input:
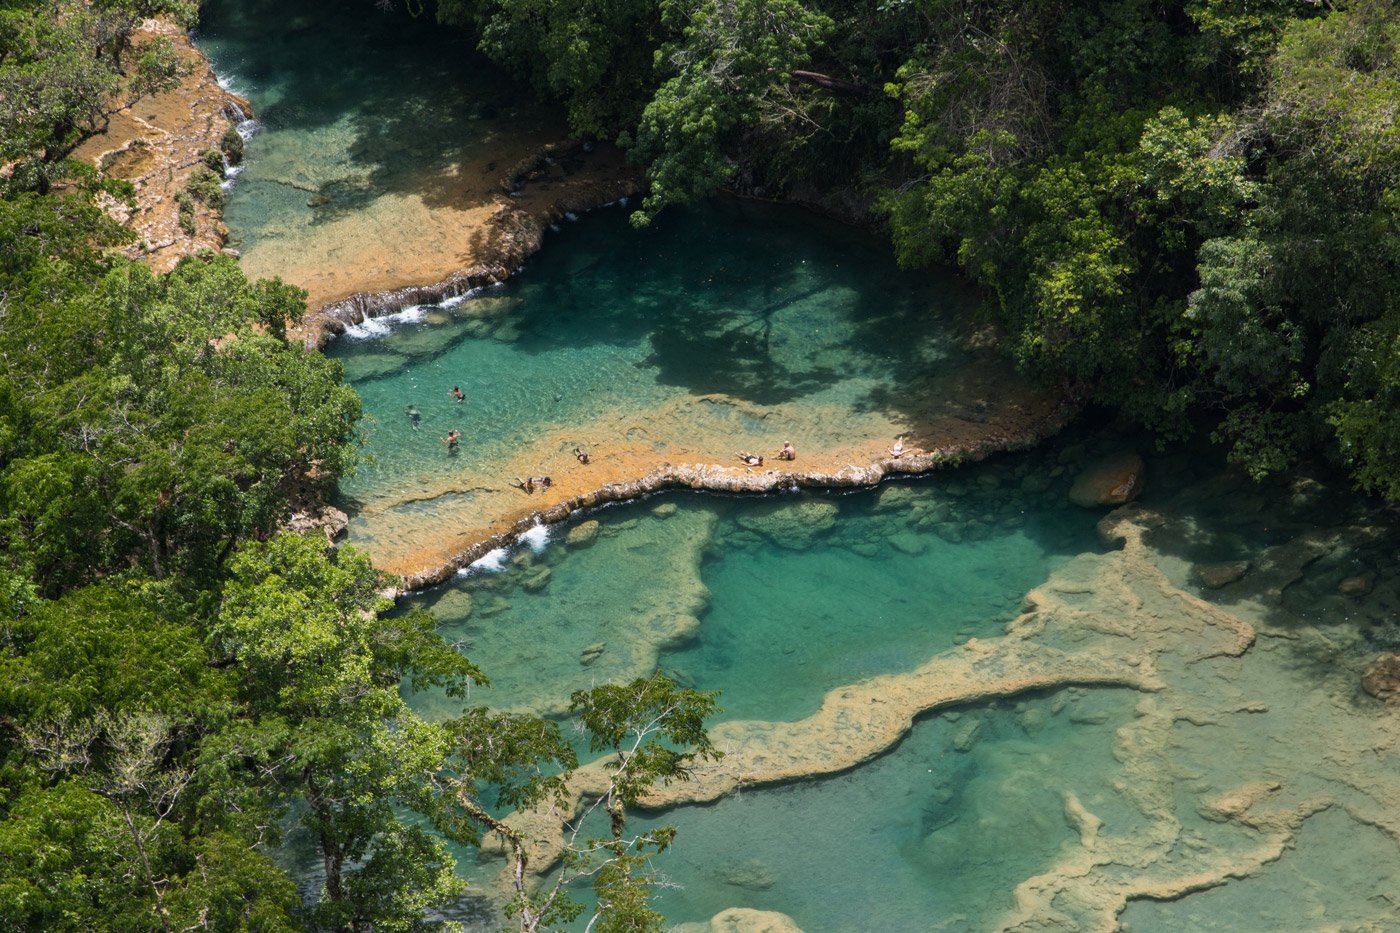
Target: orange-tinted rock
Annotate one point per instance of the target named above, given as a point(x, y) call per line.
point(1112, 480)
point(1381, 679)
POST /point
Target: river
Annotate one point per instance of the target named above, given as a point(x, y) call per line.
point(950, 702)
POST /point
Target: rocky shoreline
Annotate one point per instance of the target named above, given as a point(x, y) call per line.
point(711, 477)
point(556, 180)
point(158, 144)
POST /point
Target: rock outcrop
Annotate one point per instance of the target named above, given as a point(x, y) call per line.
point(1110, 481)
point(157, 144)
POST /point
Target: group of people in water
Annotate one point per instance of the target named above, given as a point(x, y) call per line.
point(529, 484)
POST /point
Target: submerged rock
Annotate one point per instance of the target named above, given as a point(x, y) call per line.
point(1359, 585)
point(742, 920)
point(1112, 480)
point(793, 526)
point(1381, 679)
point(1214, 576)
point(583, 534)
point(592, 653)
point(752, 875)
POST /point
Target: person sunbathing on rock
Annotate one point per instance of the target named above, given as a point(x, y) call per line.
point(750, 459)
point(526, 485)
point(897, 450)
point(788, 452)
point(582, 457)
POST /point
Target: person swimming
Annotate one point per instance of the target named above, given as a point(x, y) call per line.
point(788, 452)
point(750, 459)
point(582, 457)
point(414, 415)
point(451, 440)
point(457, 393)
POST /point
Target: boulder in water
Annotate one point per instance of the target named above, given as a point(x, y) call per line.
point(743, 920)
point(583, 534)
point(1214, 576)
point(1110, 481)
point(1358, 585)
point(1381, 679)
point(794, 526)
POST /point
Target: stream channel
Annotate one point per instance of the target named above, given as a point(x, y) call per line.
point(1234, 776)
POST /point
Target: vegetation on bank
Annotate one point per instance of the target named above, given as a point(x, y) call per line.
point(182, 684)
point(1177, 207)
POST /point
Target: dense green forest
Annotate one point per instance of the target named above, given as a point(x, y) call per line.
point(181, 683)
point(1177, 209)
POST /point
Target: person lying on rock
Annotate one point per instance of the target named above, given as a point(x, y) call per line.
point(897, 450)
point(527, 484)
point(750, 459)
point(788, 452)
point(582, 456)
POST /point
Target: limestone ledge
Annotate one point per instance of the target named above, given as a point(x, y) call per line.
point(513, 233)
point(157, 143)
point(742, 920)
point(717, 478)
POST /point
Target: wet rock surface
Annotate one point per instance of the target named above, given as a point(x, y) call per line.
point(1110, 481)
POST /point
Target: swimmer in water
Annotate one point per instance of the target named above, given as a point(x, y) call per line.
point(451, 440)
point(457, 393)
point(414, 415)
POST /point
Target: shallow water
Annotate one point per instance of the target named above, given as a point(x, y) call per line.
point(772, 602)
point(731, 327)
point(939, 832)
point(378, 137)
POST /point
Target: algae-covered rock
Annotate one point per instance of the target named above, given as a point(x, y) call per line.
point(537, 580)
point(742, 920)
point(1381, 679)
point(1112, 480)
point(583, 534)
point(795, 526)
point(752, 875)
point(665, 510)
point(1359, 585)
point(1214, 576)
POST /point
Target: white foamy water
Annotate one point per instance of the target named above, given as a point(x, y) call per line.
point(383, 325)
point(537, 538)
point(493, 561)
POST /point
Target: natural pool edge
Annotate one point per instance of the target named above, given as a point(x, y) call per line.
point(708, 477)
point(525, 208)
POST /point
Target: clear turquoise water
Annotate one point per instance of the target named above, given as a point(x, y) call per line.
point(355, 107)
point(926, 837)
point(776, 601)
point(610, 335)
point(863, 584)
